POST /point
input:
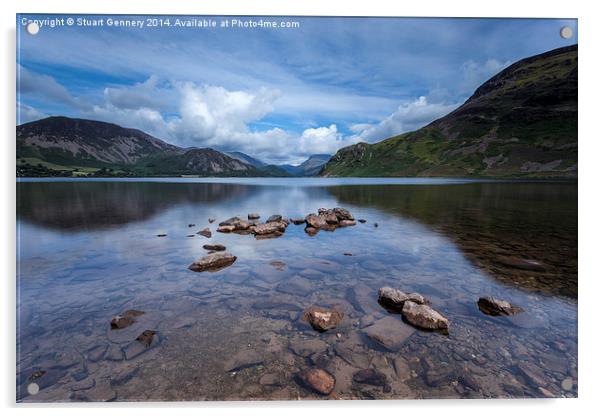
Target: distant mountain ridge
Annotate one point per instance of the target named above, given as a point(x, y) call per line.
point(520, 123)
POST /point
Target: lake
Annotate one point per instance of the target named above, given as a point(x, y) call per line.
point(89, 250)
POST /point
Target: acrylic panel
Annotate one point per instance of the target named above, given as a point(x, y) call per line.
point(281, 208)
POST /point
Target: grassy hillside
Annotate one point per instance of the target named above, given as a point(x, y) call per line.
point(520, 123)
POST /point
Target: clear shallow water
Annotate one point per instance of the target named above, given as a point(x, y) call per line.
point(89, 250)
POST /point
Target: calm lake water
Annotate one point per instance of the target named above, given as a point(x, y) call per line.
point(88, 250)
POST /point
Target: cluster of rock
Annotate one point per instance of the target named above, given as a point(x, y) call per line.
point(275, 225)
point(415, 310)
point(328, 220)
point(413, 307)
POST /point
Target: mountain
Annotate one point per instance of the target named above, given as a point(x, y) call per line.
point(313, 164)
point(520, 123)
point(310, 167)
point(62, 146)
point(249, 160)
point(64, 140)
point(202, 162)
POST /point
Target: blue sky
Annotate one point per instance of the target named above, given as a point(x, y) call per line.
point(276, 94)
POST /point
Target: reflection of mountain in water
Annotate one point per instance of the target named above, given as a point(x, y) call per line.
point(496, 225)
point(97, 205)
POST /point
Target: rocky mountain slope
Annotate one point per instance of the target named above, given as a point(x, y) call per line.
point(60, 146)
point(520, 123)
point(69, 140)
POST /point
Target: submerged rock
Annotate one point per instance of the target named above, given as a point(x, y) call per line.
point(268, 236)
point(395, 299)
point(161, 235)
point(318, 380)
point(361, 220)
point(522, 264)
point(278, 265)
point(496, 307)
point(146, 337)
point(372, 377)
point(311, 231)
point(298, 221)
point(205, 232)
point(213, 262)
point(125, 319)
point(423, 316)
point(389, 332)
point(322, 319)
point(214, 247)
point(211, 220)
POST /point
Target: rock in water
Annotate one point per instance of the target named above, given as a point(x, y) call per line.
point(278, 265)
point(522, 264)
point(395, 299)
point(311, 231)
point(346, 223)
point(274, 218)
point(315, 221)
point(226, 228)
point(146, 338)
point(253, 216)
point(298, 221)
point(318, 380)
point(372, 377)
point(213, 262)
point(205, 232)
point(343, 214)
point(125, 319)
point(322, 319)
point(269, 228)
point(496, 307)
point(391, 333)
point(423, 316)
point(214, 247)
point(230, 221)
point(361, 220)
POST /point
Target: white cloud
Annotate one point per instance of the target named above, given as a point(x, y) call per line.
point(26, 113)
point(147, 94)
point(212, 116)
point(408, 116)
point(46, 88)
point(474, 73)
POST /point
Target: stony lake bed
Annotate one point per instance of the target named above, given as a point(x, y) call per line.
point(110, 307)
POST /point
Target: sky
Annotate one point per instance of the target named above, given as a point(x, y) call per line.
point(277, 94)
